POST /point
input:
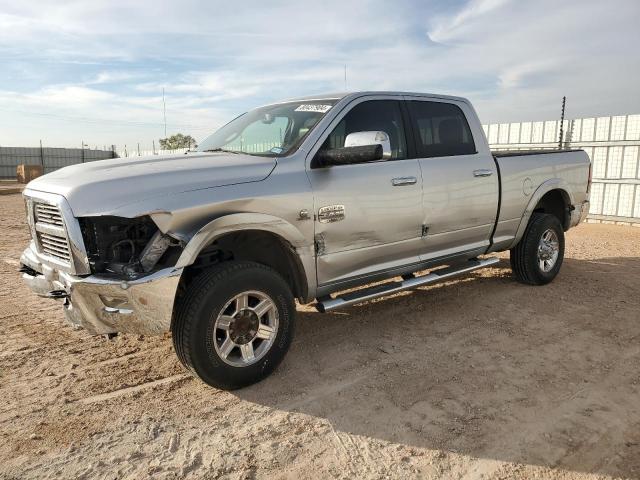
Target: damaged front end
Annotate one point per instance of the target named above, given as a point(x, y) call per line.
point(113, 274)
point(127, 247)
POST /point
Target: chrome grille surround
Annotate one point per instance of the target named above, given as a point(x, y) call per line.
point(55, 232)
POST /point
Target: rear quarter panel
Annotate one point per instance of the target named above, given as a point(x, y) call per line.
point(526, 178)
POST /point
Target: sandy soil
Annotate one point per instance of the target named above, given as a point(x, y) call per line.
point(478, 378)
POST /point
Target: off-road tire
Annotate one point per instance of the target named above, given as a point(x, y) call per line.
point(524, 256)
point(196, 313)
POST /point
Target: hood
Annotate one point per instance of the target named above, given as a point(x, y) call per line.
point(106, 185)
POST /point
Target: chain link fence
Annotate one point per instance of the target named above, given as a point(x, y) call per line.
point(50, 158)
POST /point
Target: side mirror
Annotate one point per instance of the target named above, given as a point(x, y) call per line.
point(348, 155)
point(359, 147)
point(357, 139)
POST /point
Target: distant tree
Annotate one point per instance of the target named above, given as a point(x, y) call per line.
point(177, 141)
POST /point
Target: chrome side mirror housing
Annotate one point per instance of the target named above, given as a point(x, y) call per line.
point(360, 139)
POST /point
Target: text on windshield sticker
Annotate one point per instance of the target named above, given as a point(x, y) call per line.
point(313, 107)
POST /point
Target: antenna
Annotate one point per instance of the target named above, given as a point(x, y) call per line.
point(164, 113)
point(564, 101)
point(345, 76)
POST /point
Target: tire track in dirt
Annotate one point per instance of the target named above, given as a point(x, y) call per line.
point(133, 389)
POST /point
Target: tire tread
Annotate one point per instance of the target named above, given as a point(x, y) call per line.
point(188, 305)
point(520, 255)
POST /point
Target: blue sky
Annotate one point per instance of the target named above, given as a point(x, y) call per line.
point(94, 71)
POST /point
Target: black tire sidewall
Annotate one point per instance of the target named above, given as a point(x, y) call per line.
point(205, 360)
point(541, 224)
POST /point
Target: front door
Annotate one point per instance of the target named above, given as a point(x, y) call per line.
point(369, 215)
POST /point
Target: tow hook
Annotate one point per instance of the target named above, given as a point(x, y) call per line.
point(57, 294)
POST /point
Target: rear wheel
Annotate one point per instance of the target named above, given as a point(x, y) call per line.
point(235, 324)
point(537, 259)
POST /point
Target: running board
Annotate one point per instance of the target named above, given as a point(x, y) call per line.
point(326, 304)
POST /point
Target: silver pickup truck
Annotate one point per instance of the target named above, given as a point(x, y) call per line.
point(301, 199)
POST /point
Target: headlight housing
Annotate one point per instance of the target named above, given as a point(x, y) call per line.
point(128, 247)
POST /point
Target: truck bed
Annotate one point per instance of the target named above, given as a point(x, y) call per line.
point(524, 173)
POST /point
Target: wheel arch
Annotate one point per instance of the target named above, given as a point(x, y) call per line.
point(552, 197)
point(263, 238)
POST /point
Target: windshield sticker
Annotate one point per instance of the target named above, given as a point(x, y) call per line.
point(313, 107)
point(276, 150)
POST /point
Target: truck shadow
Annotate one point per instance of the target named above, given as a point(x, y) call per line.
point(482, 366)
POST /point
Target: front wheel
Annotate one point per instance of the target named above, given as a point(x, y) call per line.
point(235, 324)
point(537, 258)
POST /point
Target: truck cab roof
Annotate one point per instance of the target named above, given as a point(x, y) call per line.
point(362, 93)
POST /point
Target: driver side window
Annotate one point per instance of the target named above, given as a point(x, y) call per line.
point(373, 115)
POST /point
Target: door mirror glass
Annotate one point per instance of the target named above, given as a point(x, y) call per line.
point(372, 137)
point(349, 155)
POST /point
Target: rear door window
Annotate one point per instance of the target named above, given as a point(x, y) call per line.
point(441, 129)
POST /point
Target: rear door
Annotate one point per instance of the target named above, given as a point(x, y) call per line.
point(369, 215)
point(460, 183)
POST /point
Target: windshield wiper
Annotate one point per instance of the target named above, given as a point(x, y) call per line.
point(222, 150)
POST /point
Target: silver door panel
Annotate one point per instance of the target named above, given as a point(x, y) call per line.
point(459, 207)
point(362, 261)
point(453, 242)
point(380, 224)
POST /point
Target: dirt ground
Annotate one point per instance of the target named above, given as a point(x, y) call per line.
point(479, 378)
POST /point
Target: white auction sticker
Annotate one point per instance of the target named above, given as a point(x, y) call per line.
point(313, 107)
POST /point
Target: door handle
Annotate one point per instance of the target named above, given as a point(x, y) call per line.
point(482, 173)
point(400, 181)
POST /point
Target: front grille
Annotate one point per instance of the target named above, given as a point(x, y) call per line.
point(54, 245)
point(48, 214)
point(50, 232)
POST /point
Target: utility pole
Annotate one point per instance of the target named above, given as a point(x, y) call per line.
point(164, 113)
point(564, 101)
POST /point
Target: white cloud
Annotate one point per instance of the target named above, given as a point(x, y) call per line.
point(445, 28)
point(514, 75)
point(111, 77)
point(60, 96)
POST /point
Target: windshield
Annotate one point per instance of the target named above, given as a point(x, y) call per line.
point(272, 130)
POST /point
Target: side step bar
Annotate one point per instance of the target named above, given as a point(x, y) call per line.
point(326, 304)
